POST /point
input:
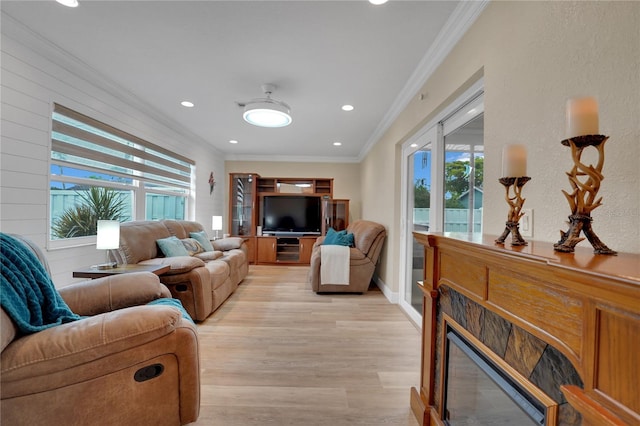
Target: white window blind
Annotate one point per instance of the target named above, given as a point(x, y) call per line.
point(80, 141)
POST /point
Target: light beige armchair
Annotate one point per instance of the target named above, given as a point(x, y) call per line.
point(126, 363)
point(363, 258)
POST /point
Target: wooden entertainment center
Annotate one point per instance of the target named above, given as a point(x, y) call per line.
point(246, 195)
point(578, 313)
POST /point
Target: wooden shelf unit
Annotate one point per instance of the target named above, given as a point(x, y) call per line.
point(245, 193)
point(309, 186)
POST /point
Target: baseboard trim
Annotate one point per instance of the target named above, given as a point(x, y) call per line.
point(391, 296)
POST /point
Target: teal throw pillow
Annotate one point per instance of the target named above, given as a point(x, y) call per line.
point(203, 239)
point(331, 237)
point(349, 240)
point(172, 247)
point(341, 238)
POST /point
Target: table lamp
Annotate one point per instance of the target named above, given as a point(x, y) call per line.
point(108, 238)
point(216, 224)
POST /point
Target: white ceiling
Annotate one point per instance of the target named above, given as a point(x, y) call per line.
point(319, 54)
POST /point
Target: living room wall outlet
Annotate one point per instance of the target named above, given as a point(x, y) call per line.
point(526, 223)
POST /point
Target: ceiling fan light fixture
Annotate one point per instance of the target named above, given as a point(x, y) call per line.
point(267, 113)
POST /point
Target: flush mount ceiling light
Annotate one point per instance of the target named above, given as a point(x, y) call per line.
point(68, 3)
point(266, 112)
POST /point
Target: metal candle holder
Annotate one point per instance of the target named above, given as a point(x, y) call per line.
point(515, 209)
point(582, 199)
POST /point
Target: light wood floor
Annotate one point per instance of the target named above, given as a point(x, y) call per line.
point(278, 354)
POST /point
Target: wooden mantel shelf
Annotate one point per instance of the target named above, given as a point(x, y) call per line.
point(624, 267)
point(587, 306)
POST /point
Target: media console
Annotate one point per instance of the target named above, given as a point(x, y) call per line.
point(290, 212)
point(284, 249)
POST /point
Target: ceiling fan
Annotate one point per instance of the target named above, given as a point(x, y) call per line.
point(266, 112)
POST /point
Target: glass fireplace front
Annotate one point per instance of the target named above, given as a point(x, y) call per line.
point(479, 392)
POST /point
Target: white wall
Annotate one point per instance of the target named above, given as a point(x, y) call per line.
point(36, 74)
point(533, 56)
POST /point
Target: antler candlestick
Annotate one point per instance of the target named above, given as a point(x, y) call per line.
point(515, 209)
point(582, 199)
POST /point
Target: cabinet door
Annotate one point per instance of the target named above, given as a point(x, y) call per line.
point(335, 215)
point(242, 212)
point(306, 245)
point(266, 249)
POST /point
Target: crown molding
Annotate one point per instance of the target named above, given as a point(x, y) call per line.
point(291, 158)
point(463, 16)
point(29, 38)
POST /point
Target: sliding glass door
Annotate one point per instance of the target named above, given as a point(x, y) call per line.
point(442, 186)
point(419, 199)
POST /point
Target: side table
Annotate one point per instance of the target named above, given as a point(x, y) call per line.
point(92, 272)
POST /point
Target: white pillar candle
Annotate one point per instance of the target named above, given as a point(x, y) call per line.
point(582, 117)
point(514, 161)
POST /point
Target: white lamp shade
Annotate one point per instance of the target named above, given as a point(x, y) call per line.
point(216, 223)
point(108, 235)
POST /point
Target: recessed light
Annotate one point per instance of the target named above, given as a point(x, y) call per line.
point(68, 3)
point(414, 145)
point(377, 2)
point(337, 144)
point(347, 107)
point(233, 141)
point(187, 104)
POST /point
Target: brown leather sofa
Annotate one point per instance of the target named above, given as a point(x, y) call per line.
point(363, 258)
point(203, 281)
point(126, 363)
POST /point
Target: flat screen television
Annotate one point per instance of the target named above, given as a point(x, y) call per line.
point(291, 214)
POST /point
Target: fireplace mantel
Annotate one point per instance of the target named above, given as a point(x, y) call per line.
point(586, 306)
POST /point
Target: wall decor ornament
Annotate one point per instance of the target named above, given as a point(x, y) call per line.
point(212, 183)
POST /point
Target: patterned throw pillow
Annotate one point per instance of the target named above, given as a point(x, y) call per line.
point(192, 245)
point(172, 247)
point(203, 239)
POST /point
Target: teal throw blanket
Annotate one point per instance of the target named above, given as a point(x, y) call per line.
point(175, 303)
point(27, 293)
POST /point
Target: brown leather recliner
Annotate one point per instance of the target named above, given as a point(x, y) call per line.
point(368, 238)
point(126, 363)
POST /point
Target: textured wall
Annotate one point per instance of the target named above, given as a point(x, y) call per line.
point(533, 56)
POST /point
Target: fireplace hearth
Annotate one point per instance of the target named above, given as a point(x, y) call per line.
point(564, 326)
point(525, 361)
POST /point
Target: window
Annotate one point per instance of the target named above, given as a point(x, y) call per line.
point(99, 172)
